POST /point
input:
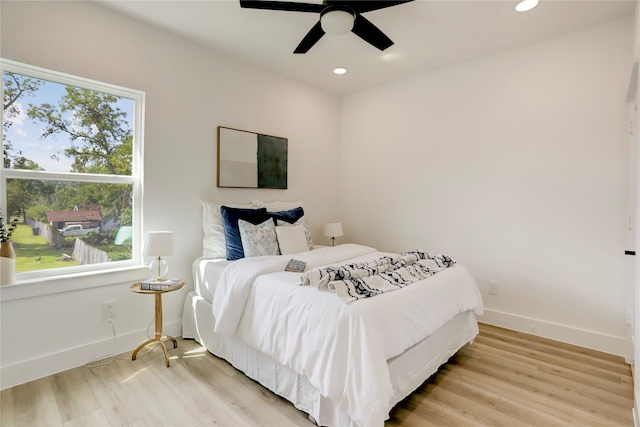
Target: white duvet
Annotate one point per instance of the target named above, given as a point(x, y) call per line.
point(342, 348)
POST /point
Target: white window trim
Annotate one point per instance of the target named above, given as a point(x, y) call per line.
point(72, 282)
point(44, 282)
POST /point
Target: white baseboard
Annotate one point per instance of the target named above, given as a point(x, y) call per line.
point(580, 337)
point(39, 367)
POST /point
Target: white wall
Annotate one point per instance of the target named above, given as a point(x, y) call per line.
point(190, 90)
point(516, 166)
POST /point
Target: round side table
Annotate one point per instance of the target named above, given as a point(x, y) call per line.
point(158, 317)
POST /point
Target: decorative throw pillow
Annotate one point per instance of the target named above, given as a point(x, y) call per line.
point(276, 206)
point(301, 222)
point(213, 242)
point(260, 239)
point(230, 217)
point(290, 216)
point(291, 239)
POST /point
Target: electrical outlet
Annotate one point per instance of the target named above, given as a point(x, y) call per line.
point(109, 309)
point(628, 319)
point(493, 288)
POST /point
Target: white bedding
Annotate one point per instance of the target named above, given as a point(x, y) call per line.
point(407, 371)
point(341, 348)
point(206, 275)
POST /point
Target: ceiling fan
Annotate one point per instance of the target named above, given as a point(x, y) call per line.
point(336, 17)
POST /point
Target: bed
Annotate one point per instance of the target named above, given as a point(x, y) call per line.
point(343, 363)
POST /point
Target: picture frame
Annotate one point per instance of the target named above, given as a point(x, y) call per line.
point(251, 160)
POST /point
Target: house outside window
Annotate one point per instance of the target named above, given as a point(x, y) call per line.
point(71, 171)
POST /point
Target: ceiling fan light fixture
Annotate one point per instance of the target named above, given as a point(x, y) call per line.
point(526, 5)
point(337, 22)
point(336, 17)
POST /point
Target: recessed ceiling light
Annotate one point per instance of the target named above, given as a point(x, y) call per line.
point(340, 70)
point(525, 5)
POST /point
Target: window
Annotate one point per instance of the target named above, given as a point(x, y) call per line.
point(71, 171)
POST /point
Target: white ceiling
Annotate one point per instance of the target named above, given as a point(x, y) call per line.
point(428, 34)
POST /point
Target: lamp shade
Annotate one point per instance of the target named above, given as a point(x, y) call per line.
point(333, 229)
point(159, 243)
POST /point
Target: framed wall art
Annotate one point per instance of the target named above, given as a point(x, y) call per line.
point(251, 160)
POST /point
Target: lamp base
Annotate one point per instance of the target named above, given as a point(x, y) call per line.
point(159, 269)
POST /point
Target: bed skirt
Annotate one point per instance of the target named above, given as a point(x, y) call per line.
point(408, 370)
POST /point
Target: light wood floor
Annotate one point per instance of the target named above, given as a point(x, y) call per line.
point(504, 379)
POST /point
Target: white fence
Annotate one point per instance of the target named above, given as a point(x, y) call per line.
point(88, 254)
point(39, 228)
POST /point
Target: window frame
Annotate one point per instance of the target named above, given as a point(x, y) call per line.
point(135, 179)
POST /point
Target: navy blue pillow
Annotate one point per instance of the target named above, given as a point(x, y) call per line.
point(288, 216)
point(230, 217)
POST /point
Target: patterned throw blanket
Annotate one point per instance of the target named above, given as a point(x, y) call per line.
point(366, 279)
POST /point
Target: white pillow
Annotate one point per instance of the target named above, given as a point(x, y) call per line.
point(258, 240)
point(300, 222)
point(213, 243)
point(291, 239)
point(277, 206)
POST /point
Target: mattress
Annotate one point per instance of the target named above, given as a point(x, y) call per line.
point(206, 274)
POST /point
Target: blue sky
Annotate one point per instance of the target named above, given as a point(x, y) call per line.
point(25, 134)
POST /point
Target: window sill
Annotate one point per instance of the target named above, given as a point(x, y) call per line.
point(56, 284)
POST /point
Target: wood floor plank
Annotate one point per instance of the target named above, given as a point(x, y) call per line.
point(493, 401)
point(471, 406)
point(96, 418)
point(587, 419)
point(535, 402)
point(45, 413)
point(119, 404)
point(580, 385)
point(505, 378)
point(573, 395)
point(73, 395)
point(584, 357)
point(152, 392)
point(196, 397)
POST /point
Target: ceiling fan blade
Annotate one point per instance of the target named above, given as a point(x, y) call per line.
point(368, 6)
point(310, 39)
point(282, 5)
point(370, 33)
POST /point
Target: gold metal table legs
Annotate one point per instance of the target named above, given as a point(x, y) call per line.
point(158, 336)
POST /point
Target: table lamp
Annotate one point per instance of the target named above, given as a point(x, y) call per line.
point(159, 244)
point(333, 230)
